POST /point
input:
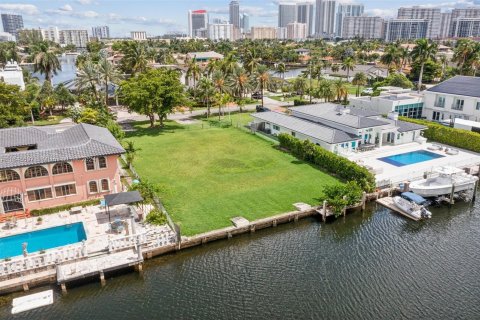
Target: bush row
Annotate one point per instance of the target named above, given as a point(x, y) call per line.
point(459, 138)
point(328, 161)
point(66, 207)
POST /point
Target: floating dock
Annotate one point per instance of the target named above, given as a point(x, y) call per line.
point(388, 203)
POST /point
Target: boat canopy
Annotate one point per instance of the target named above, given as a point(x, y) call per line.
point(414, 197)
point(448, 170)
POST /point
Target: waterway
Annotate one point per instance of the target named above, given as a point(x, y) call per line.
point(372, 265)
point(68, 71)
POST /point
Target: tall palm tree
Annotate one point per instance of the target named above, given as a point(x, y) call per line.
point(228, 64)
point(262, 79)
point(462, 53)
point(212, 66)
point(335, 68)
point(45, 60)
point(88, 77)
point(443, 60)
point(391, 56)
point(300, 85)
point(341, 90)
point(251, 60)
point(220, 85)
point(239, 82)
point(108, 74)
point(405, 57)
point(281, 69)
point(206, 92)
point(360, 79)
point(137, 55)
point(348, 65)
point(325, 90)
point(423, 52)
point(193, 72)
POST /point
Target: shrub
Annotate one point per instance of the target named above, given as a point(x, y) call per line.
point(42, 212)
point(300, 102)
point(340, 196)
point(459, 138)
point(328, 161)
point(156, 217)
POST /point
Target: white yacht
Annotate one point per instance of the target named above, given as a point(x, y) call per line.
point(442, 182)
point(412, 209)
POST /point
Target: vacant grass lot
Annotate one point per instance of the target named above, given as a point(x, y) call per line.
point(208, 176)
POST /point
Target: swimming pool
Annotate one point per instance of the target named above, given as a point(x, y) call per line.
point(42, 239)
point(405, 159)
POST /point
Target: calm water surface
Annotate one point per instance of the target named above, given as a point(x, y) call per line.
point(375, 265)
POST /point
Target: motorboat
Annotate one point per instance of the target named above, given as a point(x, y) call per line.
point(444, 181)
point(410, 196)
point(411, 208)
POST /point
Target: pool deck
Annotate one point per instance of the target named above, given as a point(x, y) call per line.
point(388, 172)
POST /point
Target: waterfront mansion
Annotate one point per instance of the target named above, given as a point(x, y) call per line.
point(339, 129)
point(42, 167)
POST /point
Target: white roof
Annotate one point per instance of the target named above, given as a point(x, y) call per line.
point(471, 123)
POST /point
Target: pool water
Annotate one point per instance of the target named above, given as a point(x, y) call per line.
point(42, 239)
point(405, 159)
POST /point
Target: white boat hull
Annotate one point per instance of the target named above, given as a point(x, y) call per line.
point(425, 190)
point(410, 208)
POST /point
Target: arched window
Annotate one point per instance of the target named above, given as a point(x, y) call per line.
point(62, 167)
point(93, 187)
point(8, 175)
point(102, 162)
point(34, 172)
point(90, 164)
point(105, 185)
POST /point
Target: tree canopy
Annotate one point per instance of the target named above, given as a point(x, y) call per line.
point(13, 106)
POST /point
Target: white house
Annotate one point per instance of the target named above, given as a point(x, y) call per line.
point(405, 103)
point(457, 97)
point(339, 129)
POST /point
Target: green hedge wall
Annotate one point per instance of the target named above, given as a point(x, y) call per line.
point(459, 138)
point(328, 161)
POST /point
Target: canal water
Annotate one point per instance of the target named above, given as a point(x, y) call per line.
point(372, 265)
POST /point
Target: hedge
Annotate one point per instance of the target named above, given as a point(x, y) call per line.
point(66, 207)
point(459, 138)
point(328, 161)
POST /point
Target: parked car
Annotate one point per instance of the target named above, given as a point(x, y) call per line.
point(257, 95)
point(367, 91)
point(260, 108)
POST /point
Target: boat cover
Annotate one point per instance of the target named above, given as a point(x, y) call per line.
point(414, 197)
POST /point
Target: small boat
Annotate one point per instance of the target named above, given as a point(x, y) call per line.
point(446, 180)
point(32, 301)
point(410, 196)
point(411, 208)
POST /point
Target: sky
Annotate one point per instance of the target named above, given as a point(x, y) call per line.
point(157, 17)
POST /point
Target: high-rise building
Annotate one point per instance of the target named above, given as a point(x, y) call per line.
point(363, 27)
point(221, 31)
point(325, 18)
point(305, 15)
point(286, 14)
point(245, 23)
point(406, 29)
point(445, 23)
point(263, 33)
point(79, 38)
point(138, 35)
point(471, 12)
point(282, 33)
point(347, 10)
point(465, 28)
point(197, 23)
point(101, 32)
point(296, 31)
point(12, 23)
point(433, 15)
point(234, 10)
point(51, 34)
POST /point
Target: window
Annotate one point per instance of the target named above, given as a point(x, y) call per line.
point(102, 162)
point(458, 104)
point(12, 203)
point(478, 105)
point(39, 194)
point(275, 127)
point(8, 175)
point(105, 185)
point(293, 134)
point(90, 164)
point(65, 190)
point(93, 187)
point(34, 172)
point(62, 167)
point(440, 103)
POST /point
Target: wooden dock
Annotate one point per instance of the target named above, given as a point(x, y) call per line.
point(388, 203)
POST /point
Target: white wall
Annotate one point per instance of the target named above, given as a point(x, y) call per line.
point(469, 111)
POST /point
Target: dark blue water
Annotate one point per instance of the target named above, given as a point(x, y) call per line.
point(42, 239)
point(405, 159)
point(375, 265)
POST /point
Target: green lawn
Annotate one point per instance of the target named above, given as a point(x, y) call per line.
point(208, 176)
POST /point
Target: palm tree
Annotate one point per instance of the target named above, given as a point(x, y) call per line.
point(335, 68)
point(443, 60)
point(220, 85)
point(45, 60)
point(193, 71)
point(212, 66)
point(130, 151)
point(108, 74)
point(137, 55)
point(262, 79)
point(462, 53)
point(423, 52)
point(281, 69)
point(239, 82)
point(88, 77)
point(206, 91)
point(391, 56)
point(341, 90)
point(325, 90)
point(360, 79)
point(300, 85)
point(405, 57)
point(251, 60)
point(228, 64)
point(349, 65)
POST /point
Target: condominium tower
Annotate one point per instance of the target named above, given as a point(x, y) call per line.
point(325, 18)
point(197, 23)
point(347, 10)
point(101, 32)
point(305, 15)
point(234, 11)
point(363, 27)
point(286, 14)
point(433, 15)
point(12, 23)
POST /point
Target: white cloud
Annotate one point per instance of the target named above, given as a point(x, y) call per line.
point(87, 14)
point(66, 7)
point(84, 2)
point(19, 8)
